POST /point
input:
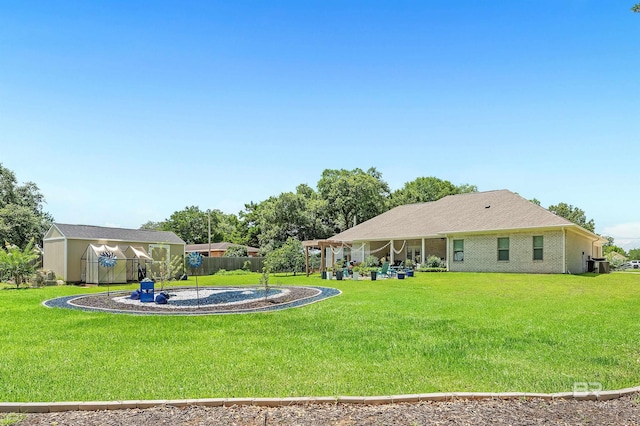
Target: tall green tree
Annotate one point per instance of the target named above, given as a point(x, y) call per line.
point(634, 254)
point(236, 251)
point(248, 226)
point(609, 246)
point(300, 215)
point(192, 225)
point(353, 196)
point(22, 215)
point(574, 214)
point(636, 8)
point(425, 189)
point(287, 258)
point(151, 226)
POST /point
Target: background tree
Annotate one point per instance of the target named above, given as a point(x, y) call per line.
point(19, 264)
point(300, 215)
point(152, 226)
point(22, 216)
point(353, 196)
point(610, 247)
point(634, 254)
point(574, 214)
point(248, 229)
point(287, 258)
point(425, 189)
point(192, 225)
point(636, 8)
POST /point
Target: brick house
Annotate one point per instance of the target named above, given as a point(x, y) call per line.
point(218, 249)
point(493, 231)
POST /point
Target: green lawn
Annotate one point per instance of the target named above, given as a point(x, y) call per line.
point(433, 333)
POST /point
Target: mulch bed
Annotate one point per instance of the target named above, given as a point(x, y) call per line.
point(103, 301)
point(623, 411)
point(285, 297)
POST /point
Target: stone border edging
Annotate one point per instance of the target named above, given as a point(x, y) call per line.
point(66, 302)
point(51, 407)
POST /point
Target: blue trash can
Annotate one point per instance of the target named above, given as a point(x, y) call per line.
point(147, 290)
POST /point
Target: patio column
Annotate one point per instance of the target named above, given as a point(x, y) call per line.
point(333, 256)
point(447, 255)
point(422, 258)
point(306, 260)
point(391, 253)
point(323, 266)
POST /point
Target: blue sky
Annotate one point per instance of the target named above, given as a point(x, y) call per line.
point(124, 112)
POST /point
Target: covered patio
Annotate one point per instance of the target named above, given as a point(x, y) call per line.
point(394, 250)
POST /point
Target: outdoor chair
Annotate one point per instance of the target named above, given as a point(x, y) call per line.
point(385, 271)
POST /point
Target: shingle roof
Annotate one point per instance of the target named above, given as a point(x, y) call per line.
point(473, 212)
point(89, 232)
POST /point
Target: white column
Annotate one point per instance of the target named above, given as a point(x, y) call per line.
point(446, 258)
point(391, 253)
point(422, 253)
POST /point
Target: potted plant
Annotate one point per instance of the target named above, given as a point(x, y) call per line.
point(357, 270)
point(371, 266)
point(409, 267)
point(338, 270)
point(329, 273)
point(373, 272)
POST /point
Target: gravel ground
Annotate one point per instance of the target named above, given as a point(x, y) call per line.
point(291, 297)
point(623, 411)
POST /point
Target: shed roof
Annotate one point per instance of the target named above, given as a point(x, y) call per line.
point(90, 232)
point(473, 212)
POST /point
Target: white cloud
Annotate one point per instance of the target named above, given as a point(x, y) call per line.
point(626, 235)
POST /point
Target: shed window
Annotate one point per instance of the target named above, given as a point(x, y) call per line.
point(458, 250)
point(503, 248)
point(538, 245)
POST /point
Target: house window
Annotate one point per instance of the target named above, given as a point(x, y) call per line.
point(458, 250)
point(503, 248)
point(538, 244)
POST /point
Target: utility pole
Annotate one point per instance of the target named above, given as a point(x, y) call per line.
point(209, 215)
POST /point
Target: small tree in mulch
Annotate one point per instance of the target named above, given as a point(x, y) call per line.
point(264, 281)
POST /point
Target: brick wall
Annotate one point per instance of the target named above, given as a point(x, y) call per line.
point(481, 253)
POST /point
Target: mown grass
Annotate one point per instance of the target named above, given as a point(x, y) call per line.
point(431, 333)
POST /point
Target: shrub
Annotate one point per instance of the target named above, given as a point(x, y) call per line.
point(37, 280)
point(18, 264)
point(236, 251)
point(246, 266)
point(614, 261)
point(288, 258)
point(371, 261)
point(434, 262)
